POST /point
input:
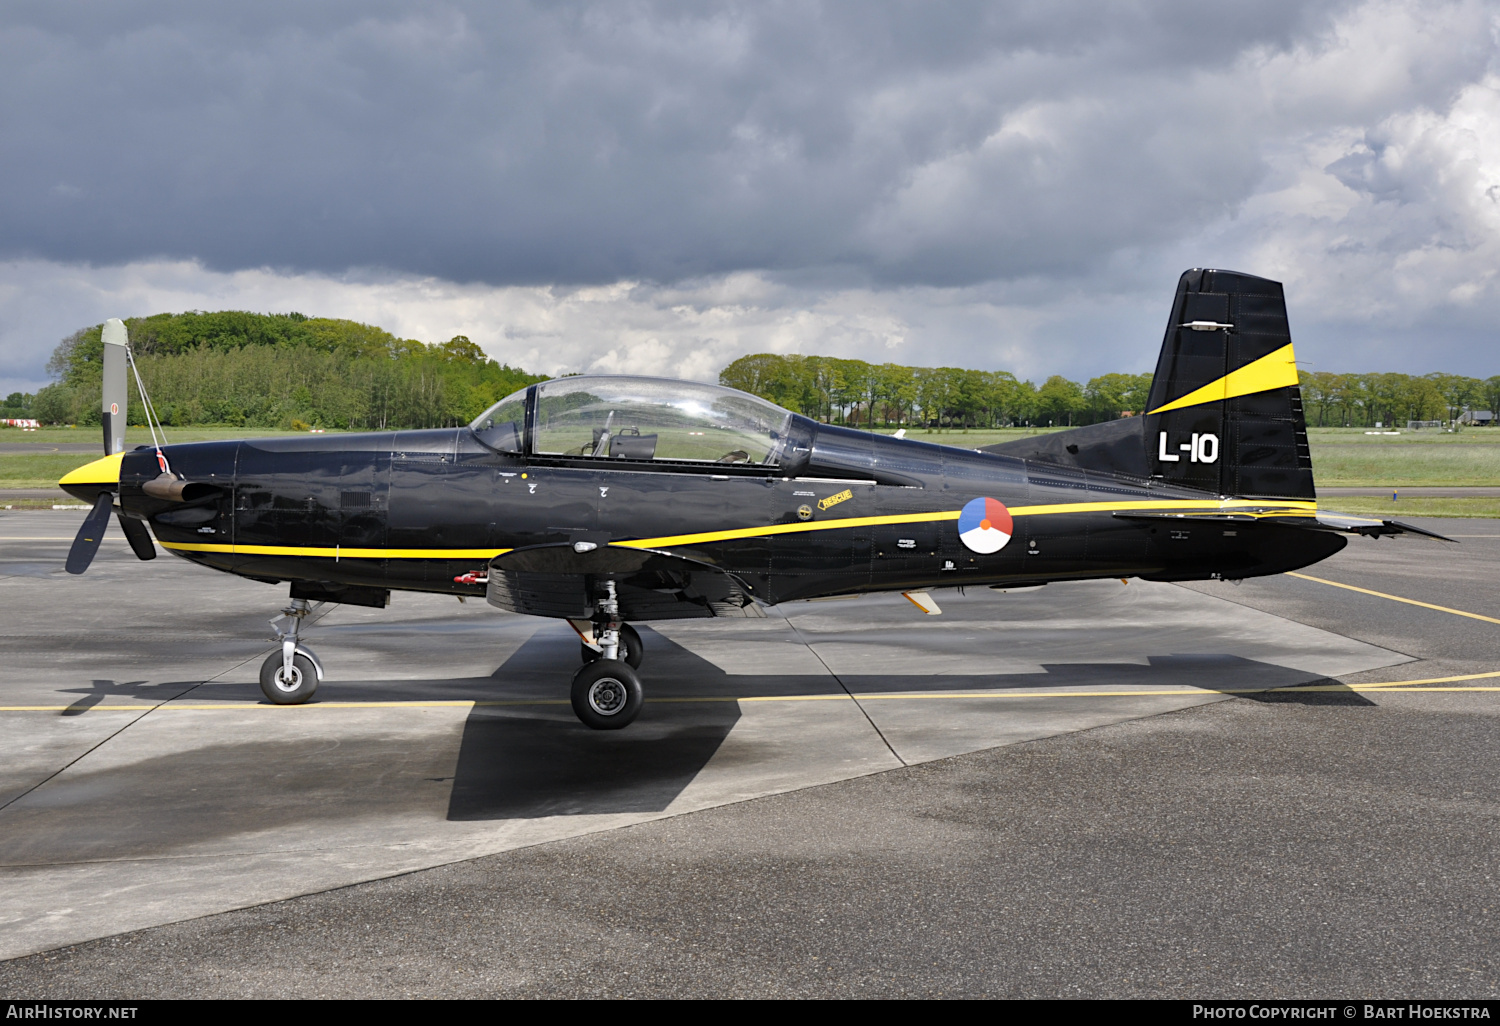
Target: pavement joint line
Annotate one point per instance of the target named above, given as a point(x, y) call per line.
point(1394, 598)
point(194, 856)
point(95, 747)
point(840, 681)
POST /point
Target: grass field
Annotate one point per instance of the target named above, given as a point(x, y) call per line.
point(38, 470)
point(136, 435)
point(1389, 466)
point(1359, 436)
point(1375, 506)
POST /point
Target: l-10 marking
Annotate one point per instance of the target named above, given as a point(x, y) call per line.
point(1202, 448)
point(648, 499)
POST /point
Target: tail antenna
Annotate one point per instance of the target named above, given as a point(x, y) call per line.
point(153, 422)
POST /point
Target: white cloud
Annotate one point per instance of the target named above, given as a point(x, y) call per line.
point(662, 189)
point(690, 330)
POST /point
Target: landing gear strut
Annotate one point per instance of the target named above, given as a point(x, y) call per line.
point(290, 676)
point(606, 691)
point(635, 650)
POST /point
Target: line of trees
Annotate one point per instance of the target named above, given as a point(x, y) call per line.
point(285, 370)
point(864, 394)
point(1364, 400)
point(280, 370)
point(890, 395)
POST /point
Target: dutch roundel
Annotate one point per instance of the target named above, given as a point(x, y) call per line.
point(984, 525)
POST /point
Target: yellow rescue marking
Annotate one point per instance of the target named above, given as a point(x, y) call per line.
point(1395, 598)
point(834, 500)
point(101, 471)
point(1274, 370)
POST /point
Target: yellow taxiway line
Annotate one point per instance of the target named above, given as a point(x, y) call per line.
point(1423, 684)
point(1394, 598)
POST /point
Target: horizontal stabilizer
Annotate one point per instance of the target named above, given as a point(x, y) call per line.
point(1372, 527)
point(1312, 520)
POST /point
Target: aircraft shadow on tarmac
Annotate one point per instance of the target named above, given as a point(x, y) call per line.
point(99, 690)
point(1229, 674)
point(531, 761)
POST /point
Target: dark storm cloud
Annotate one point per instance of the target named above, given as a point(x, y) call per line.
point(513, 143)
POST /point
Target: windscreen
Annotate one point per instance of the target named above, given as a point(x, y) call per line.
point(502, 426)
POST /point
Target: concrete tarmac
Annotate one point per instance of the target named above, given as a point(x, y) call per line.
point(831, 801)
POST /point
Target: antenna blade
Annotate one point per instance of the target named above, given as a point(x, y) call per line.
point(115, 394)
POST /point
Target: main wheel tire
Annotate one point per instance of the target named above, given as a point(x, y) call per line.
point(281, 691)
point(635, 649)
point(607, 694)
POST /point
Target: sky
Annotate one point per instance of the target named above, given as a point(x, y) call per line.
point(660, 188)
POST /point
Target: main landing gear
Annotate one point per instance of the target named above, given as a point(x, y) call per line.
point(606, 691)
point(290, 677)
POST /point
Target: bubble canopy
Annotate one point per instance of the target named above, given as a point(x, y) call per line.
point(638, 418)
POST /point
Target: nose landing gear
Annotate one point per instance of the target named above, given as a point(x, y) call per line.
point(290, 677)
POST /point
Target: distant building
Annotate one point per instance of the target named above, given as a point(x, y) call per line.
point(1485, 418)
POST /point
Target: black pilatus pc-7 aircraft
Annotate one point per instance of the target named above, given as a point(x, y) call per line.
point(602, 500)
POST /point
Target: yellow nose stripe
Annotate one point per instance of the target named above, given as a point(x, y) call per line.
point(1274, 370)
point(101, 471)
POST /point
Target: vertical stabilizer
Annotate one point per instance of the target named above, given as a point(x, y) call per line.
point(115, 393)
point(1225, 413)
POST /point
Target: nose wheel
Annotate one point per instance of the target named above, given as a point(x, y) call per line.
point(290, 675)
point(285, 685)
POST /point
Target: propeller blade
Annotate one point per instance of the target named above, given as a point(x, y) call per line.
point(90, 534)
point(115, 341)
point(138, 537)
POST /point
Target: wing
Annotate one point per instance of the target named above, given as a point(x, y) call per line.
point(559, 581)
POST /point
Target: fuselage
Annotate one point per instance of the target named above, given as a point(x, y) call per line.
point(418, 510)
